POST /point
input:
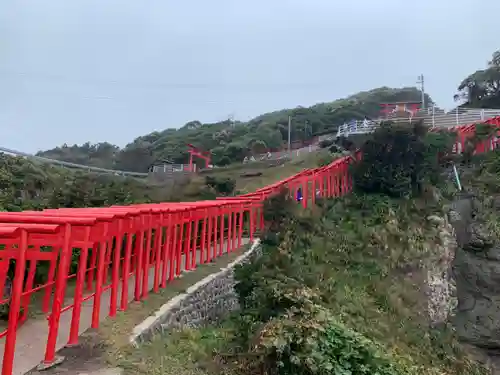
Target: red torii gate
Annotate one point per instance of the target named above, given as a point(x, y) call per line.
point(193, 151)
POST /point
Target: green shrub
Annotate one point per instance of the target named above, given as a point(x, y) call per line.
point(345, 143)
point(222, 186)
point(308, 340)
point(225, 160)
point(326, 143)
point(400, 159)
point(283, 314)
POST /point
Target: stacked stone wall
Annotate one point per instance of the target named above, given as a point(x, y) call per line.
point(205, 302)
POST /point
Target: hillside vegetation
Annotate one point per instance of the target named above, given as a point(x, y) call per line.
point(25, 185)
point(234, 140)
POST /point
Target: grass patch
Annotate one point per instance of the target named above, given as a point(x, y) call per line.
point(188, 352)
point(270, 174)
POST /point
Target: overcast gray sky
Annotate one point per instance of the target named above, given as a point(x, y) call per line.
point(110, 70)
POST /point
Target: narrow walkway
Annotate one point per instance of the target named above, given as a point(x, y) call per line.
point(32, 336)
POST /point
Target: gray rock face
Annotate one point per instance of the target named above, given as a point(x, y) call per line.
point(477, 275)
point(441, 299)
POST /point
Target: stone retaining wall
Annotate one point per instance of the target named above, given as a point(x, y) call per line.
point(205, 302)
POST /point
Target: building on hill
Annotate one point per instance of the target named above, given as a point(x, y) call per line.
point(167, 166)
point(167, 171)
point(162, 165)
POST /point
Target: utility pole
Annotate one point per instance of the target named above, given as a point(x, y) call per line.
point(289, 132)
point(231, 120)
point(420, 81)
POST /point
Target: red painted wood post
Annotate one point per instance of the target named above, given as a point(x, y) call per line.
point(15, 305)
point(57, 305)
point(147, 255)
point(262, 222)
point(236, 227)
point(173, 249)
point(256, 220)
point(180, 242)
point(251, 222)
point(333, 175)
point(333, 182)
point(93, 265)
point(341, 180)
point(305, 190)
point(329, 183)
point(187, 241)
point(167, 250)
point(115, 271)
point(216, 231)
point(234, 239)
point(240, 224)
point(209, 235)
point(80, 281)
point(230, 246)
point(50, 279)
point(101, 264)
point(222, 244)
point(194, 247)
point(126, 263)
point(158, 252)
point(313, 188)
point(203, 237)
point(139, 252)
point(321, 179)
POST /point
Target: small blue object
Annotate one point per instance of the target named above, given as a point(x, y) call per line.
point(299, 194)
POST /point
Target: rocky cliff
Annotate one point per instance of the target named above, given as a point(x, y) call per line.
point(476, 270)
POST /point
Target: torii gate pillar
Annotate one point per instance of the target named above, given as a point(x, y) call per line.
point(193, 151)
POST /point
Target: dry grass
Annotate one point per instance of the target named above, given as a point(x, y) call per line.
point(270, 174)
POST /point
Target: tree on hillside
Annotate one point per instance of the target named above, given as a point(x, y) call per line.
point(481, 89)
point(400, 158)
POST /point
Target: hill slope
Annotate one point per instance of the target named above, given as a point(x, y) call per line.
point(233, 140)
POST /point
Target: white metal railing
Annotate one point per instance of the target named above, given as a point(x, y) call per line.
point(166, 168)
point(357, 127)
point(41, 159)
point(457, 117)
